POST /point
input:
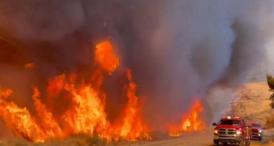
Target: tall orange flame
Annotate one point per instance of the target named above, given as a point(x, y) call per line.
point(106, 57)
point(19, 120)
point(131, 124)
point(191, 121)
point(86, 108)
point(48, 124)
point(87, 111)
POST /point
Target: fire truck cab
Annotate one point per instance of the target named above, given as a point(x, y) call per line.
point(231, 130)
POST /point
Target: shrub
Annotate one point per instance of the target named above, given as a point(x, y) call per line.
point(270, 81)
point(272, 104)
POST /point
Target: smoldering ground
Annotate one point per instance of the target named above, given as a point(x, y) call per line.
point(177, 49)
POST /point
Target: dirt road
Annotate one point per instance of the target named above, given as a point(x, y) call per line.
point(195, 139)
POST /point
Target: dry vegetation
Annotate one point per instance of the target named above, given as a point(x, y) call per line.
point(80, 140)
point(270, 81)
point(253, 103)
point(73, 141)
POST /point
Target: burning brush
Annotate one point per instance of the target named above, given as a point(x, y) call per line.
point(86, 112)
point(191, 121)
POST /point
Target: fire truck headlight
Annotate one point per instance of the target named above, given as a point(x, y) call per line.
point(238, 132)
point(260, 131)
point(215, 131)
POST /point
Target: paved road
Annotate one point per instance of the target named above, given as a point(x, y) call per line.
point(195, 139)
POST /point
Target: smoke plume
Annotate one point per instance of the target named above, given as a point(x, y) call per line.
point(178, 49)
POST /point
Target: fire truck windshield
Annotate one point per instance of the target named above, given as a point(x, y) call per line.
point(229, 122)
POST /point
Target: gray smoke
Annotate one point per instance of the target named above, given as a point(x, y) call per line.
point(178, 49)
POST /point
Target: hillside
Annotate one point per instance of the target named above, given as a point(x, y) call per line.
point(253, 103)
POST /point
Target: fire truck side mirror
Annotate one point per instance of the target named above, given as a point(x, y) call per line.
point(214, 124)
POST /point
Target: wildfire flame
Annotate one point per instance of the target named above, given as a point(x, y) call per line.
point(131, 125)
point(86, 112)
point(106, 57)
point(191, 121)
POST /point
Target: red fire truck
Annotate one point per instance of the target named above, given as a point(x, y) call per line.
point(231, 130)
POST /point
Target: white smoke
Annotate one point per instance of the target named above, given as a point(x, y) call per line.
point(206, 43)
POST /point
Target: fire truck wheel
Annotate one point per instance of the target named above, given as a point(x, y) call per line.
point(247, 143)
point(216, 143)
